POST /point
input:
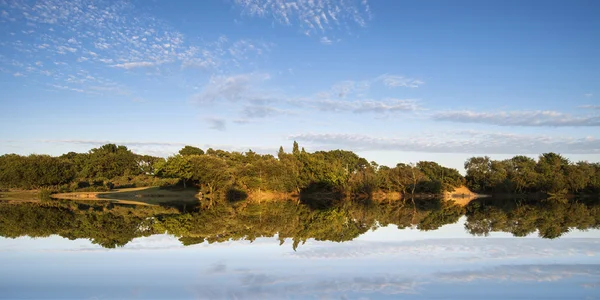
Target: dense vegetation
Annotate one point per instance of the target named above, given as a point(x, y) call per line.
point(218, 171)
point(338, 171)
point(111, 225)
point(551, 174)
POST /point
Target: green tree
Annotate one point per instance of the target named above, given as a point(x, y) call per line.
point(190, 150)
point(551, 168)
point(478, 169)
point(110, 161)
point(295, 149)
point(176, 166)
point(211, 171)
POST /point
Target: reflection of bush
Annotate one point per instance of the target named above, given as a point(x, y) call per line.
point(235, 194)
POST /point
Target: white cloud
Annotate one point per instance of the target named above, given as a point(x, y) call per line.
point(591, 285)
point(162, 149)
point(326, 41)
point(393, 81)
point(454, 142)
point(388, 105)
point(308, 15)
point(345, 88)
point(139, 64)
point(523, 273)
point(588, 95)
point(85, 36)
point(590, 106)
point(231, 88)
point(260, 111)
point(103, 142)
point(518, 118)
point(249, 92)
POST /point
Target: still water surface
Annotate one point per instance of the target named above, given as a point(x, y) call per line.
point(383, 262)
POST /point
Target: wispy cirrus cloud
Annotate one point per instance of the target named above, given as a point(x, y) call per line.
point(103, 142)
point(310, 16)
point(359, 87)
point(162, 149)
point(325, 41)
point(255, 100)
point(461, 250)
point(134, 65)
point(591, 285)
point(394, 81)
point(261, 111)
point(70, 43)
point(523, 273)
point(454, 142)
point(590, 106)
point(519, 118)
point(387, 105)
point(241, 87)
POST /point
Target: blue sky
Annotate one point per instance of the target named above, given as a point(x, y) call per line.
point(395, 81)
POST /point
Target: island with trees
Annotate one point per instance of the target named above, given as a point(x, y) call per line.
point(339, 173)
point(216, 195)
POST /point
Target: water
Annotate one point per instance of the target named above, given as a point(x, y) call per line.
point(347, 251)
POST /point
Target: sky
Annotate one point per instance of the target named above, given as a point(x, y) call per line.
point(394, 81)
point(387, 263)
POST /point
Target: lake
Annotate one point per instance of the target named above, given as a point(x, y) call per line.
point(430, 249)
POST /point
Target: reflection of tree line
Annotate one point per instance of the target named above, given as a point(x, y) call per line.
point(550, 217)
point(102, 222)
point(111, 225)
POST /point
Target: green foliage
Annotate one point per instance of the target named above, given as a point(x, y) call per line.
point(112, 166)
point(440, 179)
point(111, 225)
point(103, 223)
point(34, 171)
point(549, 218)
point(211, 171)
point(191, 150)
point(551, 174)
point(110, 161)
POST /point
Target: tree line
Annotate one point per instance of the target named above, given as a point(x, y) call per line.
point(550, 174)
point(217, 172)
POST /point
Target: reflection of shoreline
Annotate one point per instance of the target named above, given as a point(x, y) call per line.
point(116, 222)
point(138, 196)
